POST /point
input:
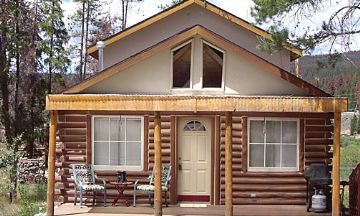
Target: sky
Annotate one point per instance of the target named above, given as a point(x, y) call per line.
point(150, 7)
point(240, 8)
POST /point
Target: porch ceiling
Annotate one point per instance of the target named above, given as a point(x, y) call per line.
point(196, 103)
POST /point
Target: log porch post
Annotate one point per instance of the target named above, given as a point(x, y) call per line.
point(157, 166)
point(228, 165)
point(51, 164)
point(336, 166)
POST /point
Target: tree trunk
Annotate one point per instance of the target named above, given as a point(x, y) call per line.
point(4, 76)
point(86, 36)
point(82, 40)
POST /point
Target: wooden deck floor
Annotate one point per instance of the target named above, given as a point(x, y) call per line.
point(247, 210)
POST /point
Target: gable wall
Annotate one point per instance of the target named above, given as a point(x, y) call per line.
point(184, 19)
point(154, 76)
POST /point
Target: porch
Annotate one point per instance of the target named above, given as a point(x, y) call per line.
point(248, 210)
point(228, 107)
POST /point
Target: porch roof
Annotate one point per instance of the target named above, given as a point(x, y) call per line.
point(115, 102)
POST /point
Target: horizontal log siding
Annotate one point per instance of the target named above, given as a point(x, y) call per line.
point(71, 149)
point(270, 188)
point(277, 188)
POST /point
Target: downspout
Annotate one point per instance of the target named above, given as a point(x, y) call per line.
point(100, 45)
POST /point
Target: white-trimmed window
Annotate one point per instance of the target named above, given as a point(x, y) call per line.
point(213, 66)
point(273, 144)
point(182, 64)
point(118, 142)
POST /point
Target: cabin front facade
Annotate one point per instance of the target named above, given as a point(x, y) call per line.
point(188, 87)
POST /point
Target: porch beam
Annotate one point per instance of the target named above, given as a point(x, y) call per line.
point(336, 166)
point(228, 165)
point(157, 166)
point(196, 103)
point(51, 164)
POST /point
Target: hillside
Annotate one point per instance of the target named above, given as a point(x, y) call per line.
point(338, 75)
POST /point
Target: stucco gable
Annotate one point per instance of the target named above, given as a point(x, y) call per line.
point(206, 34)
point(186, 7)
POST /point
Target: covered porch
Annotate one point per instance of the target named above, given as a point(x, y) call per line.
point(245, 210)
point(220, 105)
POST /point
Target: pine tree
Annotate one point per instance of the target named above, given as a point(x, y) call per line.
point(172, 3)
point(288, 21)
point(54, 39)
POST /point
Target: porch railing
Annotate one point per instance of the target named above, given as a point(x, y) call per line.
point(354, 192)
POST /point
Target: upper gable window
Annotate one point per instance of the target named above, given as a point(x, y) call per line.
point(182, 66)
point(213, 63)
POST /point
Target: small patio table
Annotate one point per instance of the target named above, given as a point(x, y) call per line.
point(121, 187)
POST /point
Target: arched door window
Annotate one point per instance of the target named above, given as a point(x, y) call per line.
point(194, 126)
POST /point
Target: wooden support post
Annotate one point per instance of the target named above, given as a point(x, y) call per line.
point(51, 164)
point(228, 165)
point(336, 166)
point(157, 166)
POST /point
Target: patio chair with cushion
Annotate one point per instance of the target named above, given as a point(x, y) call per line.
point(149, 188)
point(85, 181)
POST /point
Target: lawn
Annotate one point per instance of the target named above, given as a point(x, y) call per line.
point(31, 198)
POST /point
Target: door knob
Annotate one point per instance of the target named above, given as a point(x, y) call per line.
point(180, 167)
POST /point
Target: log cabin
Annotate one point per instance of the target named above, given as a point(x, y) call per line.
point(188, 87)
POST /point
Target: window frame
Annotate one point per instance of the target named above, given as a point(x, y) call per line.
point(191, 41)
point(222, 88)
point(114, 167)
point(274, 169)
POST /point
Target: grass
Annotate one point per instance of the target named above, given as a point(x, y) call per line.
point(350, 156)
point(30, 199)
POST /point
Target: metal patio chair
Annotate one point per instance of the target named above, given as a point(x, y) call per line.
point(149, 188)
point(85, 181)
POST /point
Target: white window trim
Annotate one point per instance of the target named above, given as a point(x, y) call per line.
point(222, 88)
point(191, 66)
point(122, 168)
point(274, 169)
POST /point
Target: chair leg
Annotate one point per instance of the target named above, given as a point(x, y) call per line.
point(166, 203)
point(81, 198)
point(75, 196)
point(150, 201)
point(134, 199)
point(93, 201)
point(105, 198)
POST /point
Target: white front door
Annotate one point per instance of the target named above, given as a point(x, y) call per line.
point(194, 156)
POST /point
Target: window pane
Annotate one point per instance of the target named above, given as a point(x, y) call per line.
point(272, 155)
point(256, 155)
point(101, 153)
point(117, 129)
point(212, 67)
point(288, 156)
point(273, 132)
point(133, 130)
point(133, 153)
point(101, 129)
point(289, 133)
point(182, 67)
point(256, 131)
point(117, 154)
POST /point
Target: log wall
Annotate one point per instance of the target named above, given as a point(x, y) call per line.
point(275, 188)
point(74, 146)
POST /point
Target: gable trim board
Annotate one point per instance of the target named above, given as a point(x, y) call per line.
point(93, 50)
point(182, 37)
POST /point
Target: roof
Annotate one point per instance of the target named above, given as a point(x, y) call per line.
point(148, 103)
point(209, 36)
point(92, 50)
